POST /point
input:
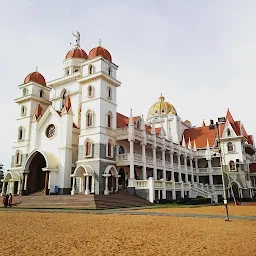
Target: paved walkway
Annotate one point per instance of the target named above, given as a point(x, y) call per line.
point(131, 212)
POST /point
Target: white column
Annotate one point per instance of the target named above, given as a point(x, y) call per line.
point(106, 191)
point(210, 171)
point(179, 168)
point(154, 162)
point(117, 184)
point(197, 176)
point(186, 169)
point(132, 176)
point(93, 184)
point(26, 181)
point(19, 185)
point(73, 186)
point(164, 175)
point(3, 186)
point(87, 191)
point(191, 170)
point(144, 168)
point(151, 190)
point(171, 158)
point(164, 166)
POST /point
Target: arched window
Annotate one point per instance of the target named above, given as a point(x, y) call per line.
point(89, 118)
point(21, 133)
point(67, 71)
point(63, 97)
point(109, 120)
point(228, 132)
point(25, 91)
point(41, 93)
point(88, 148)
point(109, 71)
point(90, 69)
point(109, 153)
point(90, 91)
point(121, 150)
point(23, 110)
point(232, 166)
point(230, 147)
point(109, 93)
point(18, 158)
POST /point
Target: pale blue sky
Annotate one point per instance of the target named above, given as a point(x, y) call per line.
point(199, 54)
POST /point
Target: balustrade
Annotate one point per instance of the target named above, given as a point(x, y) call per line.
point(141, 183)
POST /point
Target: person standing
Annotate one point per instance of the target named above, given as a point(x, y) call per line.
point(10, 200)
point(5, 201)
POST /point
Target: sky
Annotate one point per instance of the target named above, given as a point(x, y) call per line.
point(199, 54)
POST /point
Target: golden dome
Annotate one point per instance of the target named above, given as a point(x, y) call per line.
point(162, 107)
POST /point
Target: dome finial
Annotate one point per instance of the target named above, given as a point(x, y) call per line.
point(36, 68)
point(100, 42)
point(161, 98)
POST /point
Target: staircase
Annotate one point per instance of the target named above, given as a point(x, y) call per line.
point(205, 194)
point(112, 201)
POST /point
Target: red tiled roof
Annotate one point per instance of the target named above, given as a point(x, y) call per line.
point(35, 77)
point(100, 51)
point(123, 121)
point(200, 134)
point(76, 53)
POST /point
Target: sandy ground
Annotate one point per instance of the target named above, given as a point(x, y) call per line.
point(29, 233)
point(245, 210)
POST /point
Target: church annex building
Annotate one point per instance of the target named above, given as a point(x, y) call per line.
point(71, 140)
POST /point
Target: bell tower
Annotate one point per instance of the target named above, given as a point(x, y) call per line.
point(34, 93)
point(98, 113)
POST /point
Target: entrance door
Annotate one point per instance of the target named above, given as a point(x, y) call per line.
point(36, 177)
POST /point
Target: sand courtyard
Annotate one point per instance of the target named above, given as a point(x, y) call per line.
point(47, 233)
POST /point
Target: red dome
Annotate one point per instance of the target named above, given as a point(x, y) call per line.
point(100, 51)
point(35, 77)
point(77, 53)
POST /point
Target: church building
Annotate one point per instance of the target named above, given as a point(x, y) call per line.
point(71, 140)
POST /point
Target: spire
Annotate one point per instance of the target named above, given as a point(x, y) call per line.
point(203, 124)
point(142, 126)
point(194, 148)
point(153, 131)
point(183, 141)
point(131, 122)
point(38, 111)
point(189, 143)
point(207, 143)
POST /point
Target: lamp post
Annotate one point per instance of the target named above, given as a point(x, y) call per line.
point(225, 201)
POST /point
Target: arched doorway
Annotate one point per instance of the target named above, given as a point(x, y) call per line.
point(235, 190)
point(111, 179)
point(36, 177)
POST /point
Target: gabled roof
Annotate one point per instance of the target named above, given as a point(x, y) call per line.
point(199, 135)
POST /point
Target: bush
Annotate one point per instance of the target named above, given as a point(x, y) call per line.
point(196, 201)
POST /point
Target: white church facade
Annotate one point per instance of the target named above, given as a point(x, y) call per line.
point(71, 140)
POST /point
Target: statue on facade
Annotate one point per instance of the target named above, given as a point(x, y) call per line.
point(77, 36)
